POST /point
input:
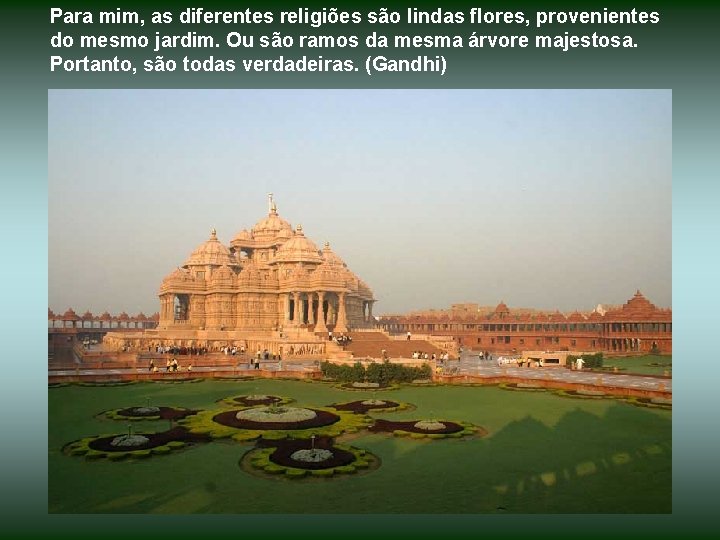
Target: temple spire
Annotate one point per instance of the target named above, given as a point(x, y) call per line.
point(272, 207)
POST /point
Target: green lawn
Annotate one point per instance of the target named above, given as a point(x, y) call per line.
point(543, 454)
point(641, 364)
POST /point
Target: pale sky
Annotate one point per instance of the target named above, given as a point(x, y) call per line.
point(545, 199)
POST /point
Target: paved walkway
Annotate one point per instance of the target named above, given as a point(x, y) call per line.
point(468, 365)
point(472, 365)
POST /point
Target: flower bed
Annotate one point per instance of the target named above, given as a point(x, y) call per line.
point(364, 406)
point(148, 413)
point(263, 418)
point(432, 429)
point(254, 400)
point(321, 458)
point(139, 445)
point(367, 386)
point(226, 423)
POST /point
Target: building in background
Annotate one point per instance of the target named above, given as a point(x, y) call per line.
point(637, 327)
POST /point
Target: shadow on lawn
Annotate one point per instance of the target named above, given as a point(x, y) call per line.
point(624, 465)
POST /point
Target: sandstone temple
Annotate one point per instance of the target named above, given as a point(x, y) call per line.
point(270, 285)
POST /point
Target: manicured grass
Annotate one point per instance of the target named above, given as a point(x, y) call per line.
point(543, 454)
point(639, 364)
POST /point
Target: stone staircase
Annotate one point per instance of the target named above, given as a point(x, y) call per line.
point(371, 345)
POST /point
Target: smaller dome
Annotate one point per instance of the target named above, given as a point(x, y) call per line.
point(331, 257)
point(178, 274)
point(87, 316)
point(298, 249)
point(212, 252)
point(242, 236)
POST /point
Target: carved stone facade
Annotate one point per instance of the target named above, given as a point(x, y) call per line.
point(269, 278)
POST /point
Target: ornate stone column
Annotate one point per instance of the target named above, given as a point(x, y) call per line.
point(298, 313)
point(320, 325)
point(286, 318)
point(341, 325)
point(370, 315)
point(311, 315)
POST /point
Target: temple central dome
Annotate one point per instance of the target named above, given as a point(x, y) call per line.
point(273, 225)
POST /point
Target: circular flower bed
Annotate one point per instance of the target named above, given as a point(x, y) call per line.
point(138, 445)
point(366, 405)
point(148, 413)
point(527, 387)
point(253, 400)
point(129, 441)
point(430, 425)
point(318, 458)
point(277, 415)
point(253, 423)
point(433, 429)
point(314, 455)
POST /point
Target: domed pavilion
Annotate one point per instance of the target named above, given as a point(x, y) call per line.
point(269, 282)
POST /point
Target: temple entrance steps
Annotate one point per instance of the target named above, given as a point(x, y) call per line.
point(371, 344)
point(336, 352)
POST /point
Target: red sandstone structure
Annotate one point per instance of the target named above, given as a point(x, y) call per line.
point(74, 323)
point(637, 327)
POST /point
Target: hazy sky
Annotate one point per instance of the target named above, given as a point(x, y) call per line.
point(546, 199)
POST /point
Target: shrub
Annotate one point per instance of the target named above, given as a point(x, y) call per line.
point(382, 373)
